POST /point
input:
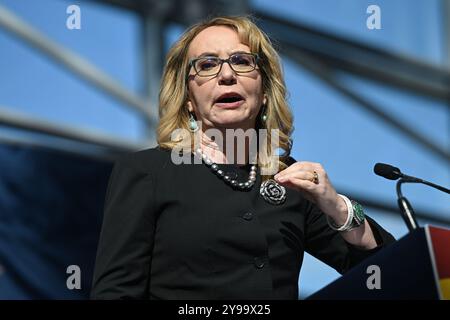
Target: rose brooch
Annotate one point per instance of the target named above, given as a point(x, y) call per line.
point(272, 192)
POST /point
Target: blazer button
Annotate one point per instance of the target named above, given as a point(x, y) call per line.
point(248, 216)
point(259, 262)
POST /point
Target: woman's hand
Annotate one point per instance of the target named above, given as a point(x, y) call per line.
point(312, 181)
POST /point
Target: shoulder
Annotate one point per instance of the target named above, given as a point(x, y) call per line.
point(146, 160)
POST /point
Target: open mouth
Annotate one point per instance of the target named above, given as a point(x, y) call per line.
point(230, 100)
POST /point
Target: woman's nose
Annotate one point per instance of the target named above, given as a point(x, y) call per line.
point(227, 74)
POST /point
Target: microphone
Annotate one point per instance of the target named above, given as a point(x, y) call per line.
point(393, 173)
point(387, 171)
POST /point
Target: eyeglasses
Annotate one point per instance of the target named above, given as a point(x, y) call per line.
point(210, 66)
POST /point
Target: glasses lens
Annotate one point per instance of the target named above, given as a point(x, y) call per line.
point(207, 66)
point(243, 62)
point(210, 66)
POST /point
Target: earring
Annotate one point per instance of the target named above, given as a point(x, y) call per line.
point(193, 127)
point(263, 114)
point(264, 117)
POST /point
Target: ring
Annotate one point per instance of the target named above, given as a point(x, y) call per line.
point(315, 179)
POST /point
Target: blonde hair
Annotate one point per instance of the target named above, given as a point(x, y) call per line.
point(173, 94)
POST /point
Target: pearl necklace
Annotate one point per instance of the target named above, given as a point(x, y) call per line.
point(221, 174)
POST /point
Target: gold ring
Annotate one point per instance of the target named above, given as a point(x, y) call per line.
point(315, 178)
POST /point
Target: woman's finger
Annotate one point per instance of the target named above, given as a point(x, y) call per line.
point(299, 166)
point(304, 187)
point(311, 176)
point(299, 183)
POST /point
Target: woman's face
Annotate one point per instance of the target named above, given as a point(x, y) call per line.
point(205, 93)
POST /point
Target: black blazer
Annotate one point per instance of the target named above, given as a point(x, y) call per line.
point(180, 232)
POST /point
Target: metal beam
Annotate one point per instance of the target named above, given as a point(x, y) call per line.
point(182, 11)
point(92, 152)
point(323, 72)
point(446, 40)
point(388, 68)
point(152, 59)
point(74, 63)
point(446, 31)
point(20, 121)
point(137, 7)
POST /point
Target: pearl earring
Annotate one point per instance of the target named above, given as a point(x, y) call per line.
point(264, 117)
point(263, 114)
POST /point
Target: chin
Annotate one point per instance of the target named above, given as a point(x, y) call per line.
point(233, 123)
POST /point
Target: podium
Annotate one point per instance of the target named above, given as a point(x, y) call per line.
point(415, 267)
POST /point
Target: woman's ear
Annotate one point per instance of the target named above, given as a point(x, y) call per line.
point(265, 99)
point(189, 106)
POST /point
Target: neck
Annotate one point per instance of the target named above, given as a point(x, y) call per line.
point(221, 150)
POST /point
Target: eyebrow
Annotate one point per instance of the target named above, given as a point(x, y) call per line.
point(212, 54)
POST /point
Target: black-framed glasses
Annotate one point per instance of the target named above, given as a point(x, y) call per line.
point(240, 62)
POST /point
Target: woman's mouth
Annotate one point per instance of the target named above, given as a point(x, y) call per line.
point(229, 101)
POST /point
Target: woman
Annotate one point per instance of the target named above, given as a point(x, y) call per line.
point(223, 228)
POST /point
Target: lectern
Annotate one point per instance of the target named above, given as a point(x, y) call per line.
point(415, 267)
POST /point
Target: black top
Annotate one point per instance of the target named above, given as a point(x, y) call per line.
point(180, 232)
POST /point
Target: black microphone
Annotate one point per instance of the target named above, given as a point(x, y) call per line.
point(393, 173)
point(387, 171)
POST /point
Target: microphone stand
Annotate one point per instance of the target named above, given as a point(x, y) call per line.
point(431, 184)
point(405, 207)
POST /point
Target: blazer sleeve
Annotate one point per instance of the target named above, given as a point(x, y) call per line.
point(122, 267)
point(328, 245)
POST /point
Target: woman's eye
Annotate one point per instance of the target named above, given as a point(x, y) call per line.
point(206, 64)
point(241, 59)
